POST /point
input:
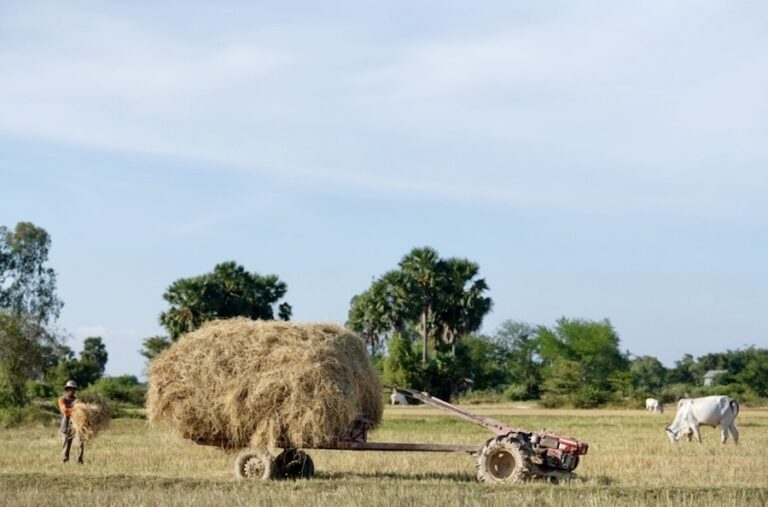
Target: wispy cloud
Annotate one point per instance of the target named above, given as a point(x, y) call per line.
point(648, 105)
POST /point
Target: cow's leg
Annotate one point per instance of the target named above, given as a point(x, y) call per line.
point(696, 432)
point(734, 432)
point(724, 433)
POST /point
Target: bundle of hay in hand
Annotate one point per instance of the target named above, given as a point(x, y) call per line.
point(264, 383)
point(90, 415)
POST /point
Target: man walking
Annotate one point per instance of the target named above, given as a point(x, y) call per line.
point(66, 403)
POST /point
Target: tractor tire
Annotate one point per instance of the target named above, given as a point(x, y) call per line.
point(503, 459)
point(294, 464)
point(254, 464)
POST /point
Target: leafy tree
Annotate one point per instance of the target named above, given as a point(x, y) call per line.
point(380, 311)
point(685, 371)
point(463, 306)
point(648, 374)
point(483, 362)
point(83, 371)
point(755, 372)
point(28, 304)
point(592, 346)
point(442, 298)
point(21, 356)
point(519, 341)
point(95, 351)
point(401, 366)
point(228, 291)
point(153, 345)
point(27, 286)
point(563, 379)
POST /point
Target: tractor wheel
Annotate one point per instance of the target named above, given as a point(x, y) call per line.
point(503, 459)
point(254, 464)
point(294, 464)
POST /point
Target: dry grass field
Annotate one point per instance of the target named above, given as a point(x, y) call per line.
point(630, 462)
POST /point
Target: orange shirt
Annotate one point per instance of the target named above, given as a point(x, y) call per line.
point(65, 405)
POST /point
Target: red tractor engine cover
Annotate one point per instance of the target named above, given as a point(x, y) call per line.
point(567, 445)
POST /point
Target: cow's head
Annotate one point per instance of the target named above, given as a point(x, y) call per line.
point(675, 433)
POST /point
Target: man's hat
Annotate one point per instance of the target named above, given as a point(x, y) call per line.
point(71, 384)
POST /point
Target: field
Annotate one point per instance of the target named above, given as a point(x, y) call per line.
point(630, 462)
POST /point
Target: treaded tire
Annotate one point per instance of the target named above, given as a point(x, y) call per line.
point(503, 460)
point(254, 464)
point(293, 464)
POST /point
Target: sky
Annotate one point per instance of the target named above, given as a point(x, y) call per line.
point(597, 159)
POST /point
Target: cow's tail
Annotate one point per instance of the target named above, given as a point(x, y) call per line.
point(734, 407)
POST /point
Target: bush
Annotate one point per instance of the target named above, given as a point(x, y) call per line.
point(516, 392)
point(549, 400)
point(126, 389)
point(39, 390)
point(673, 392)
point(11, 417)
point(476, 397)
point(589, 397)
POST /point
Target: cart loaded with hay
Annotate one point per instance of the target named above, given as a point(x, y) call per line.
point(259, 385)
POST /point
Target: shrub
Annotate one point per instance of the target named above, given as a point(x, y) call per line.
point(40, 390)
point(125, 389)
point(31, 414)
point(516, 392)
point(673, 392)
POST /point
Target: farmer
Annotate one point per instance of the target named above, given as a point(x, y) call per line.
point(66, 403)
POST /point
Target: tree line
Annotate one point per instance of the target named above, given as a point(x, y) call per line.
point(420, 321)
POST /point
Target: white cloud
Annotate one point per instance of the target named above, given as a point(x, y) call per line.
point(645, 106)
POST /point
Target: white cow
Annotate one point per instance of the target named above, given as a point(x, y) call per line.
point(398, 398)
point(707, 411)
point(654, 405)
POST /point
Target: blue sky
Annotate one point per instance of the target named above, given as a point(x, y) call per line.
point(598, 160)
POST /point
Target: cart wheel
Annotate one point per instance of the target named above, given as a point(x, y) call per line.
point(254, 464)
point(503, 459)
point(294, 464)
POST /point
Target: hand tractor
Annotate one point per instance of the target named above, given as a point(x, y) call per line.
point(512, 455)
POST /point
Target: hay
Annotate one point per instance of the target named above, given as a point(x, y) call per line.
point(264, 383)
point(90, 416)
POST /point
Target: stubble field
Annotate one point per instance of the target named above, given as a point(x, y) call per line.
point(630, 462)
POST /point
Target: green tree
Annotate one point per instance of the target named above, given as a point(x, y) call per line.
point(401, 366)
point(380, 311)
point(154, 345)
point(464, 305)
point(443, 299)
point(520, 342)
point(483, 362)
point(648, 374)
point(95, 351)
point(420, 269)
point(593, 346)
point(228, 291)
point(28, 305)
point(755, 372)
point(685, 371)
point(83, 371)
point(27, 285)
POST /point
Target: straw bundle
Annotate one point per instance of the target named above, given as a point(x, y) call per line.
point(90, 416)
point(266, 383)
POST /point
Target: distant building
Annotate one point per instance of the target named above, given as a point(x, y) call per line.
point(711, 374)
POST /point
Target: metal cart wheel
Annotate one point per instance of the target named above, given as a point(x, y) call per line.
point(294, 464)
point(254, 464)
point(503, 459)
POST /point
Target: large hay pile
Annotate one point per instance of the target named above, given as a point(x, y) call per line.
point(90, 415)
point(266, 383)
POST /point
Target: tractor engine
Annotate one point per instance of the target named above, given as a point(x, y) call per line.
point(557, 452)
